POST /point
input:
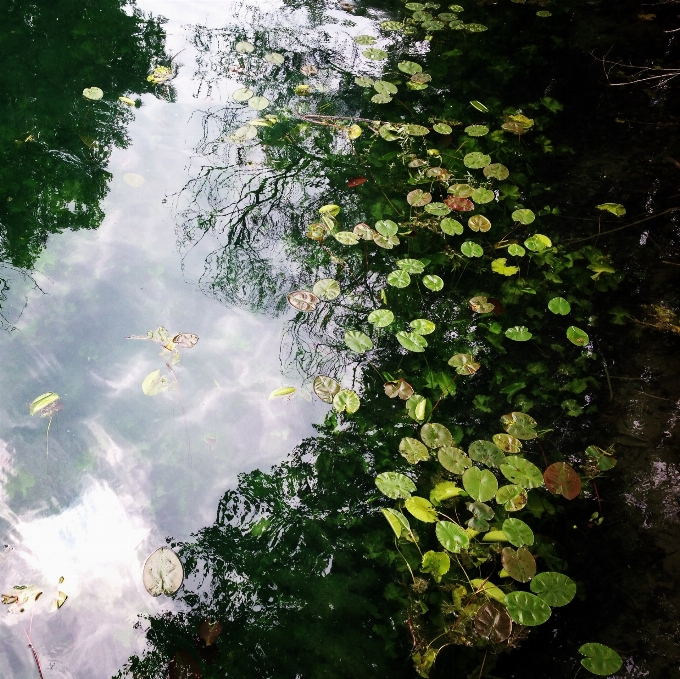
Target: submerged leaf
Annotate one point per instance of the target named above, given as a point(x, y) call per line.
point(43, 401)
point(155, 383)
point(163, 572)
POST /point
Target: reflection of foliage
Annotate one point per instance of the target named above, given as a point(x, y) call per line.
point(54, 144)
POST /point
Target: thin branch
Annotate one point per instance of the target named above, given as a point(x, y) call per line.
point(620, 228)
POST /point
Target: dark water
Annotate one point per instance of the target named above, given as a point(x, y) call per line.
point(295, 560)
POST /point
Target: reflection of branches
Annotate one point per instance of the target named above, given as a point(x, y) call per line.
point(662, 75)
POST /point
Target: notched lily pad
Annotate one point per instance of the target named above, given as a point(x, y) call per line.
point(556, 589)
point(527, 609)
point(163, 572)
point(561, 479)
point(492, 622)
point(325, 388)
point(435, 435)
point(395, 485)
point(413, 450)
point(520, 565)
point(453, 459)
point(399, 388)
point(347, 401)
point(303, 300)
point(464, 364)
point(600, 659)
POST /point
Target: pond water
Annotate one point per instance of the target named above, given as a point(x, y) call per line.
point(166, 209)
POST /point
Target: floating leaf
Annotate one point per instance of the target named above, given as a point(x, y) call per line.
point(303, 300)
point(422, 326)
point(459, 204)
point(358, 341)
point(42, 403)
point(420, 78)
point(436, 435)
point(453, 459)
point(451, 227)
point(476, 104)
point(521, 472)
point(274, 58)
point(127, 100)
point(417, 406)
point(492, 622)
point(520, 565)
point(479, 223)
point(399, 278)
point(346, 400)
point(442, 128)
point(391, 25)
point(482, 195)
point(386, 227)
point(527, 609)
point(523, 216)
point(244, 133)
point(477, 130)
point(184, 340)
point(438, 209)
point(395, 485)
point(516, 250)
point(354, 131)
point(480, 305)
point(93, 93)
point(561, 479)
point(512, 497)
point(21, 598)
point(363, 231)
point(242, 94)
point(258, 103)
point(132, 179)
point(155, 383)
point(400, 388)
point(521, 425)
point(418, 198)
point(163, 572)
point(452, 537)
point(445, 490)
point(412, 341)
point(518, 333)
point(281, 391)
point(471, 249)
point(381, 318)
point(464, 364)
point(364, 82)
point(325, 388)
point(387, 242)
point(538, 242)
point(499, 266)
point(365, 40)
point(480, 484)
point(398, 522)
point(555, 589)
point(488, 588)
point(437, 564)
point(421, 508)
point(309, 69)
point(434, 283)
point(507, 443)
point(600, 659)
point(415, 130)
point(517, 532)
point(615, 208)
point(209, 630)
point(346, 237)
point(486, 453)
point(577, 336)
point(375, 54)
point(244, 47)
point(160, 75)
point(475, 28)
point(476, 160)
point(411, 266)
point(327, 288)
point(413, 450)
point(496, 171)
point(381, 99)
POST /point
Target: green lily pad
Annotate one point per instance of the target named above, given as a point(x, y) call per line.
point(559, 305)
point(365, 40)
point(437, 564)
point(577, 336)
point(518, 333)
point(418, 198)
point(451, 227)
point(432, 282)
point(476, 160)
point(500, 266)
point(346, 400)
point(325, 388)
point(496, 171)
point(519, 471)
point(453, 459)
point(413, 450)
point(518, 533)
point(384, 87)
point(375, 54)
point(381, 99)
point(421, 508)
point(346, 237)
point(274, 58)
point(486, 453)
point(527, 609)
point(409, 67)
point(362, 81)
point(600, 659)
point(244, 47)
point(512, 497)
point(464, 364)
point(452, 537)
point(395, 485)
point(418, 407)
point(93, 93)
point(442, 128)
point(436, 435)
point(482, 196)
point(411, 265)
point(480, 484)
point(538, 242)
point(412, 341)
point(444, 491)
point(358, 341)
point(326, 288)
point(242, 94)
point(516, 250)
point(477, 130)
point(386, 227)
point(381, 318)
point(258, 103)
point(478, 104)
point(521, 425)
point(615, 208)
point(438, 209)
point(523, 216)
point(422, 326)
point(471, 249)
point(398, 278)
point(391, 25)
point(476, 28)
point(507, 443)
point(556, 589)
point(398, 522)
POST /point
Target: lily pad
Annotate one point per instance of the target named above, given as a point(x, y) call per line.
point(520, 565)
point(432, 282)
point(561, 479)
point(442, 128)
point(451, 227)
point(453, 459)
point(507, 443)
point(93, 93)
point(516, 250)
point(477, 104)
point(488, 588)
point(325, 388)
point(486, 453)
point(437, 564)
point(422, 326)
point(521, 425)
point(375, 54)
point(398, 278)
point(244, 47)
point(479, 223)
point(43, 402)
point(615, 208)
point(258, 103)
point(381, 98)
point(496, 171)
point(346, 237)
point(523, 216)
point(421, 509)
point(274, 58)
point(155, 383)
point(445, 490)
point(346, 400)
point(413, 450)
point(452, 537)
point(309, 69)
point(476, 160)
point(517, 532)
point(518, 333)
point(512, 497)
point(471, 249)
point(600, 659)
point(365, 40)
point(358, 341)
point(417, 406)
point(395, 485)
point(482, 195)
point(556, 589)
point(400, 388)
point(386, 227)
point(435, 435)
point(519, 471)
point(527, 609)
point(464, 364)
point(381, 318)
point(538, 242)
point(303, 300)
point(438, 209)
point(163, 572)
point(418, 198)
point(477, 130)
point(577, 336)
point(492, 622)
point(411, 266)
point(398, 522)
point(327, 288)
point(559, 305)
point(412, 341)
point(500, 266)
point(242, 94)
point(363, 231)
point(480, 484)
point(364, 82)
point(409, 67)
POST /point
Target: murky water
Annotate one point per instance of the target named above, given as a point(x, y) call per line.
point(119, 219)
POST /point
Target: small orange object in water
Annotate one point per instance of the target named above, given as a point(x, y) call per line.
point(356, 181)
